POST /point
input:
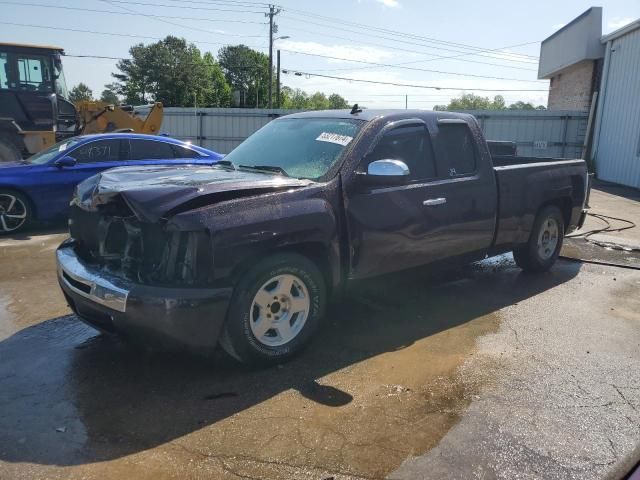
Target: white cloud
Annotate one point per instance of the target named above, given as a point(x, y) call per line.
point(348, 52)
point(616, 23)
point(389, 3)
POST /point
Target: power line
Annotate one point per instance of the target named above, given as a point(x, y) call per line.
point(408, 68)
point(413, 51)
point(334, 20)
point(420, 44)
point(159, 19)
point(60, 7)
point(128, 35)
point(396, 84)
point(127, 2)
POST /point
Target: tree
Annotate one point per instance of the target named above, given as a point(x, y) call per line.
point(520, 105)
point(170, 71)
point(246, 71)
point(109, 94)
point(220, 94)
point(80, 93)
point(300, 100)
point(337, 102)
point(469, 101)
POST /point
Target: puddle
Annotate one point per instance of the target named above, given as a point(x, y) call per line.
point(29, 291)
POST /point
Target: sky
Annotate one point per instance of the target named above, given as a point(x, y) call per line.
point(453, 46)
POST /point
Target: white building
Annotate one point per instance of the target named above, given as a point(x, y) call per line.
point(583, 65)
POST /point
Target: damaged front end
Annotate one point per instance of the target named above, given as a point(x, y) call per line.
point(148, 253)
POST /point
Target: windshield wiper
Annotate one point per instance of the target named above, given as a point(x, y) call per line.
point(266, 168)
point(225, 163)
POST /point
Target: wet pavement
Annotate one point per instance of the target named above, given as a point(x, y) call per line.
point(484, 372)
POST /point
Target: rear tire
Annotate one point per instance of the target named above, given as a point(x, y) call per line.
point(16, 212)
point(8, 151)
point(544, 245)
point(275, 309)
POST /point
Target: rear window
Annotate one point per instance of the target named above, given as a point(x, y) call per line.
point(455, 150)
point(182, 152)
point(150, 150)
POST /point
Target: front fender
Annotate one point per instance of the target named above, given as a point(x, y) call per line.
point(250, 228)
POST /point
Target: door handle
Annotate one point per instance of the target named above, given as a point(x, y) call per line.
point(434, 201)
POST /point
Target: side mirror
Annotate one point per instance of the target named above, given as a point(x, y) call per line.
point(65, 162)
point(387, 172)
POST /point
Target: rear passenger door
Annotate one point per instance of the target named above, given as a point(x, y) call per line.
point(461, 204)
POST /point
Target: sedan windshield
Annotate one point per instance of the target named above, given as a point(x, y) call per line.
point(45, 156)
point(296, 147)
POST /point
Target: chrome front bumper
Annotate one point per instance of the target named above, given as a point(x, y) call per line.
point(97, 287)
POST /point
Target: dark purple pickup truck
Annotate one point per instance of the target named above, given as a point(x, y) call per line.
point(247, 252)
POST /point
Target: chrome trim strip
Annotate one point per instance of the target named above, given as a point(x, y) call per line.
point(102, 290)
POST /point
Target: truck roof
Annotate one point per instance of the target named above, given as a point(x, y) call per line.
point(373, 114)
point(35, 47)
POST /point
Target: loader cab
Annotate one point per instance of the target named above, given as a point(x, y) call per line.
point(35, 111)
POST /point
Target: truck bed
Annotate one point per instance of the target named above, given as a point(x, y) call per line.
point(525, 183)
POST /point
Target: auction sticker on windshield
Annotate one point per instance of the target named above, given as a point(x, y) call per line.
point(334, 138)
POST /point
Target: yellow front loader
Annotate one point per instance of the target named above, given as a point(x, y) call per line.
point(35, 111)
point(101, 117)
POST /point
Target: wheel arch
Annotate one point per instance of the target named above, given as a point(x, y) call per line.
point(316, 252)
point(565, 205)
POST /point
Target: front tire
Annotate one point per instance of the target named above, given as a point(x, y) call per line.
point(15, 212)
point(544, 245)
point(276, 307)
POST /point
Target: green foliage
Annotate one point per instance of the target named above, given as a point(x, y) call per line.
point(109, 94)
point(246, 71)
point(80, 92)
point(301, 100)
point(469, 101)
point(177, 74)
point(173, 72)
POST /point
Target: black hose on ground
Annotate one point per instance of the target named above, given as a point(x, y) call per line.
point(607, 229)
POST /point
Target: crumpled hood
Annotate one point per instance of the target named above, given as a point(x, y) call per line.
point(153, 191)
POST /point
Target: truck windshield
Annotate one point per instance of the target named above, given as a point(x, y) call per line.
point(296, 147)
point(45, 156)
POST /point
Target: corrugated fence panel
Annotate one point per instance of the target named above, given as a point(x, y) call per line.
point(618, 149)
point(537, 133)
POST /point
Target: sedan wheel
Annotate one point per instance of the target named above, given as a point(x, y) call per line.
point(14, 212)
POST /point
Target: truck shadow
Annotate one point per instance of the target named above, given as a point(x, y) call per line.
point(69, 396)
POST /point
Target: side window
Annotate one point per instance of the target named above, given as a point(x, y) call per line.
point(150, 150)
point(182, 152)
point(33, 73)
point(455, 150)
point(412, 145)
point(4, 71)
point(98, 151)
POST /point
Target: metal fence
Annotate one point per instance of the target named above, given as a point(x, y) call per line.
point(537, 133)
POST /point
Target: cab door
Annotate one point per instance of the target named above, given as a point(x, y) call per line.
point(387, 223)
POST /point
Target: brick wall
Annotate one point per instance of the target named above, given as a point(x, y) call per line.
point(571, 88)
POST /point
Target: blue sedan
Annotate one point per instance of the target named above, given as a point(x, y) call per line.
point(41, 187)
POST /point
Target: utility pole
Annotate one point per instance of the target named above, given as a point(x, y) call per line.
point(278, 79)
point(406, 102)
point(272, 13)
